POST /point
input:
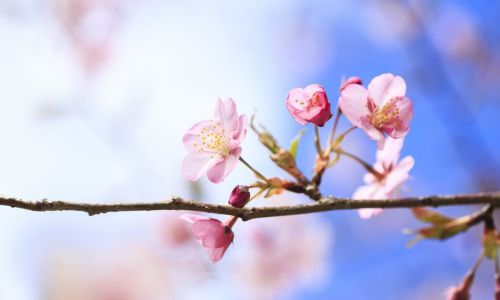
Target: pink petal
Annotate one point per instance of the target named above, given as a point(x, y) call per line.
point(385, 87)
point(196, 164)
point(295, 98)
point(322, 116)
point(191, 136)
point(390, 154)
point(367, 213)
point(219, 172)
point(381, 143)
point(398, 175)
point(216, 254)
point(212, 233)
point(405, 115)
point(354, 104)
point(350, 80)
point(314, 88)
point(240, 133)
point(191, 218)
point(373, 132)
point(370, 191)
point(226, 113)
point(296, 103)
point(366, 192)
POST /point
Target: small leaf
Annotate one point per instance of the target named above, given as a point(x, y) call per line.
point(338, 140)
point(440, 231)
point(332, 162)
point(429, 216)
point(490, 244)
point(273, 191)
point(295, 143)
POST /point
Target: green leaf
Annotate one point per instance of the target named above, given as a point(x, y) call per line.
point(441, 231)
point(430, 216)
point(490, 244)
point(295, 143)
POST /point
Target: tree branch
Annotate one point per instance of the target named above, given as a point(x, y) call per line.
point(324, 204)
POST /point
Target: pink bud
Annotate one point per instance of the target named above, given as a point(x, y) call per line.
point(309, 105)
point(350, 80)
point(212, 234)
point(239, 196)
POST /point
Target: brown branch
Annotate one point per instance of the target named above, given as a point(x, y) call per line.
point(325, 204)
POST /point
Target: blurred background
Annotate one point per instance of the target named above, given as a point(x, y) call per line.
point(95, 96)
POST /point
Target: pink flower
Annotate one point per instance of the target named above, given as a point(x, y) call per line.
point(392, 175)
point(382, 109)
point(214, 146)
point(239, 196)
point(309, 105)
point(211, 233)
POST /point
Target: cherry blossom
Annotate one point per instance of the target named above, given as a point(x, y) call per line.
point(391, 175)
point(309, 105)
point(214, 146)
point(212, 234)
point(379, 110)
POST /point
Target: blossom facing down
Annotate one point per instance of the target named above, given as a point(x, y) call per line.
point(381, 109)
point(309, 105)
point(211, 233)
point(239, 196)
point(214, 146)
point(393, 174)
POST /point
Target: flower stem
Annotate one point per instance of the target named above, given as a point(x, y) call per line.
point(366, 165)
point(346, 132)
point(257, 173)
point(230, 222)
point(335, 125)
point(257, 194)
point(317, 141)
point(338, 140)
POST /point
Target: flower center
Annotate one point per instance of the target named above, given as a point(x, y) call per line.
point(385, 114)
point(309, 103)
point(213, 139)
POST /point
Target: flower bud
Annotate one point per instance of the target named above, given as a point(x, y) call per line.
point(239, 196)
point(212, 234)
point(350, 80)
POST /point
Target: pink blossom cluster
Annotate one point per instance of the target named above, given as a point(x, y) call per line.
point(382, 110)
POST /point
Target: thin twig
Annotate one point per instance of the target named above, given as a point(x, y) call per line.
point(334, 128)
point(366, 165)
point(325, 204)
point(317, 141)
point(257, 173)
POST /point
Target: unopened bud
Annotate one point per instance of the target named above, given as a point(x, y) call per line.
point(350, 80)
point(284, 159)
point(239, 196)
point(269, 141)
